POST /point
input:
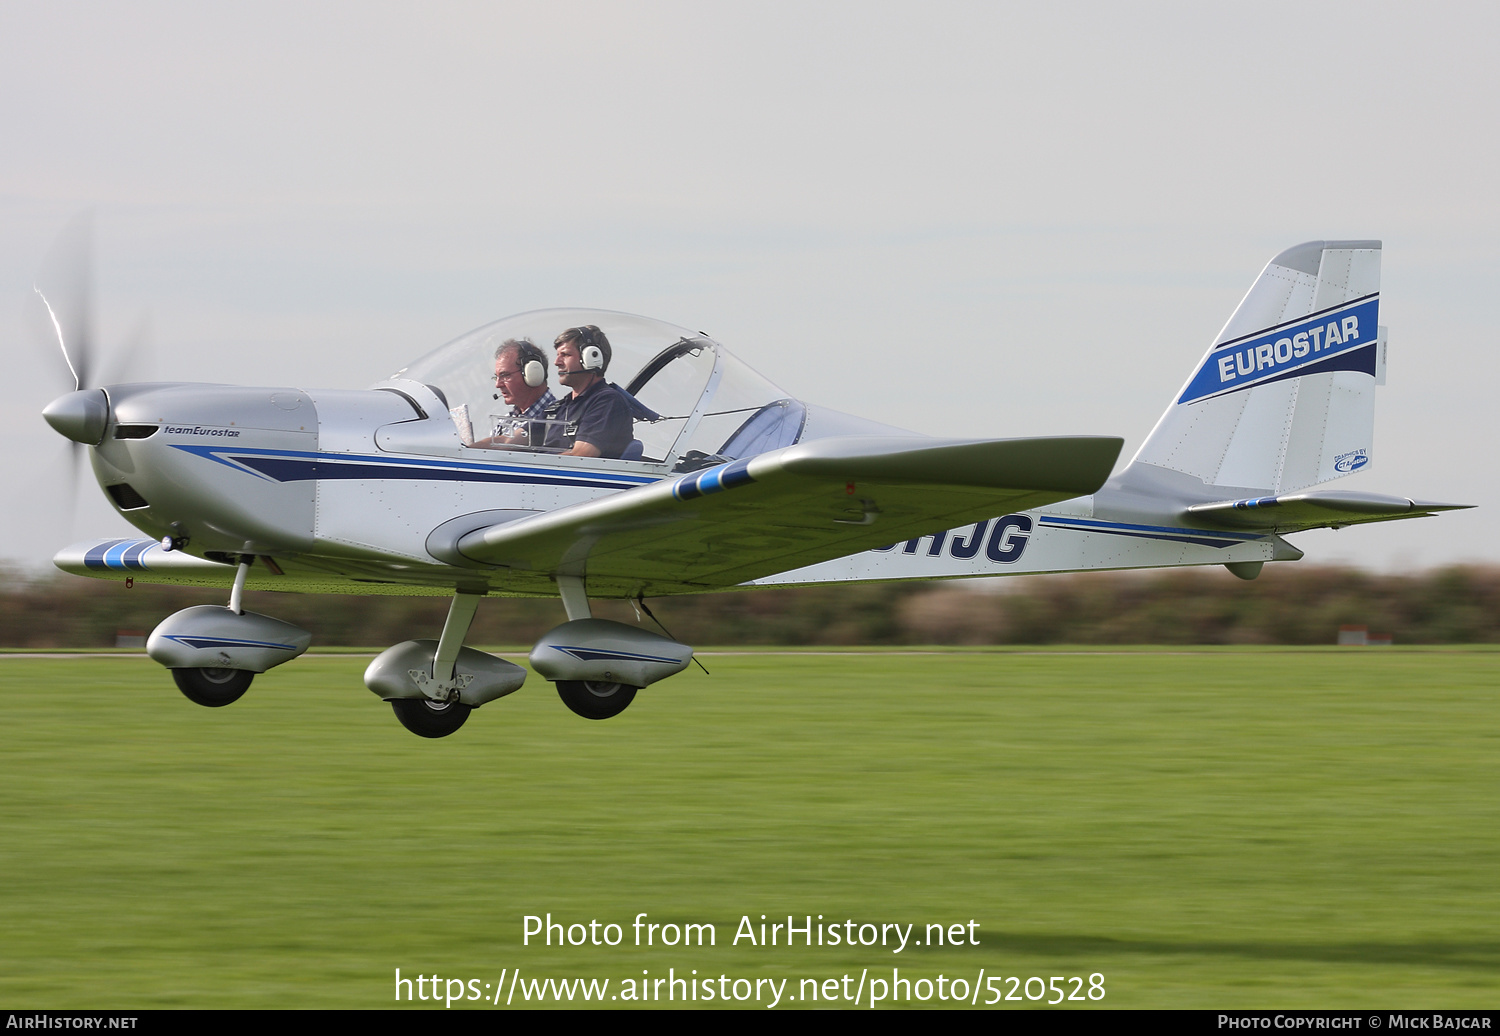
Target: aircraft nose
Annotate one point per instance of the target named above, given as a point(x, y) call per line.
point(81, 416)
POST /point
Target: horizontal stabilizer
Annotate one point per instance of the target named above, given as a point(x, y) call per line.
point(1295, 512)
point(791, 507)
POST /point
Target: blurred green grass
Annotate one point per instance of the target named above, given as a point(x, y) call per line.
point(1273, 828)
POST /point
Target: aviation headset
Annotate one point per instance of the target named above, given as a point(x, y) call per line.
point(588, 338)
point(533, 365)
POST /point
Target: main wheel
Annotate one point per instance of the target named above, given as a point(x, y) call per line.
point(427, 718)
point(214, 688)
point(594, 699)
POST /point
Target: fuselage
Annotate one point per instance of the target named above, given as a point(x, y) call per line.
point(371, 490)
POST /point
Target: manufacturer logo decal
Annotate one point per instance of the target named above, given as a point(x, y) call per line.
point(1347, 462)
point(198, 429)
point(1273, 354)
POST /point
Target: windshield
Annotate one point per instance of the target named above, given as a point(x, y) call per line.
point(694, 403)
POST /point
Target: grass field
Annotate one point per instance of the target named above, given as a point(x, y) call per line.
point(1261, 828)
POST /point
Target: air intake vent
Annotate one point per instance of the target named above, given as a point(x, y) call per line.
point(135, 431)
point(125, 498)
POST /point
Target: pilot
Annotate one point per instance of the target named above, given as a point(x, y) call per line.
point(595, 420)
point(521, 377)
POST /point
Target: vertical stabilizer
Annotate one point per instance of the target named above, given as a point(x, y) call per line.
point(1285, 397)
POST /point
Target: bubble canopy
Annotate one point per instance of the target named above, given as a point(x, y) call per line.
point(710, 406)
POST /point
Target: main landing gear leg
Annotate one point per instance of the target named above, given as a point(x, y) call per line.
point(237, 591)
point(574, 597)
point(441, 713)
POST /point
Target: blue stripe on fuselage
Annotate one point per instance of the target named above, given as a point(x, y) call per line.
point(1201, 537)
point(300, 466)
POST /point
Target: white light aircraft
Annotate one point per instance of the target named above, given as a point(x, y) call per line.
point(727, 482)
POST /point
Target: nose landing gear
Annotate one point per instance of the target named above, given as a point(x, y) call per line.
point(213, 688)
point(214, 652)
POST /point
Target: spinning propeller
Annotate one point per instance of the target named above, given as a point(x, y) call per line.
point(63, 295)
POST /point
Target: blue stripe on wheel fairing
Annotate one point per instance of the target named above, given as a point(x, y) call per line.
point(588, 654)
point(188, 640)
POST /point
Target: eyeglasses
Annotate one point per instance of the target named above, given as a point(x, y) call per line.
point(502, 375)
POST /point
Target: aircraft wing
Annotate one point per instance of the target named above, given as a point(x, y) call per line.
point(791, 507)
point(1325, 509)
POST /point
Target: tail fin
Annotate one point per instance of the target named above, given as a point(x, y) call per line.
point(1285, 397)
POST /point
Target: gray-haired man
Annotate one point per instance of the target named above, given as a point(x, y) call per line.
point(521, 377)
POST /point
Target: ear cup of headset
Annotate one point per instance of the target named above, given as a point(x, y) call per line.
point(593, 358)
point(535, 373)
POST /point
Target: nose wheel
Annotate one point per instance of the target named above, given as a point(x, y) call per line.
point(213, 688)
point(594, 699)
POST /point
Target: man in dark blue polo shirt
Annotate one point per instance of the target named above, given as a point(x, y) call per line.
point(594, 421)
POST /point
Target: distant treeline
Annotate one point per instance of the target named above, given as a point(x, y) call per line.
point(1288, 604)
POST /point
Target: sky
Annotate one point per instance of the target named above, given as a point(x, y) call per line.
point(983, 220)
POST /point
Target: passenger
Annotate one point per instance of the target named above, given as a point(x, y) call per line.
point(528, 402)
point(595, 420)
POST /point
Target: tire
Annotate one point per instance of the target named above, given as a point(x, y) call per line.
point(595, 699)
point(213, 688)
point(430, 718)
